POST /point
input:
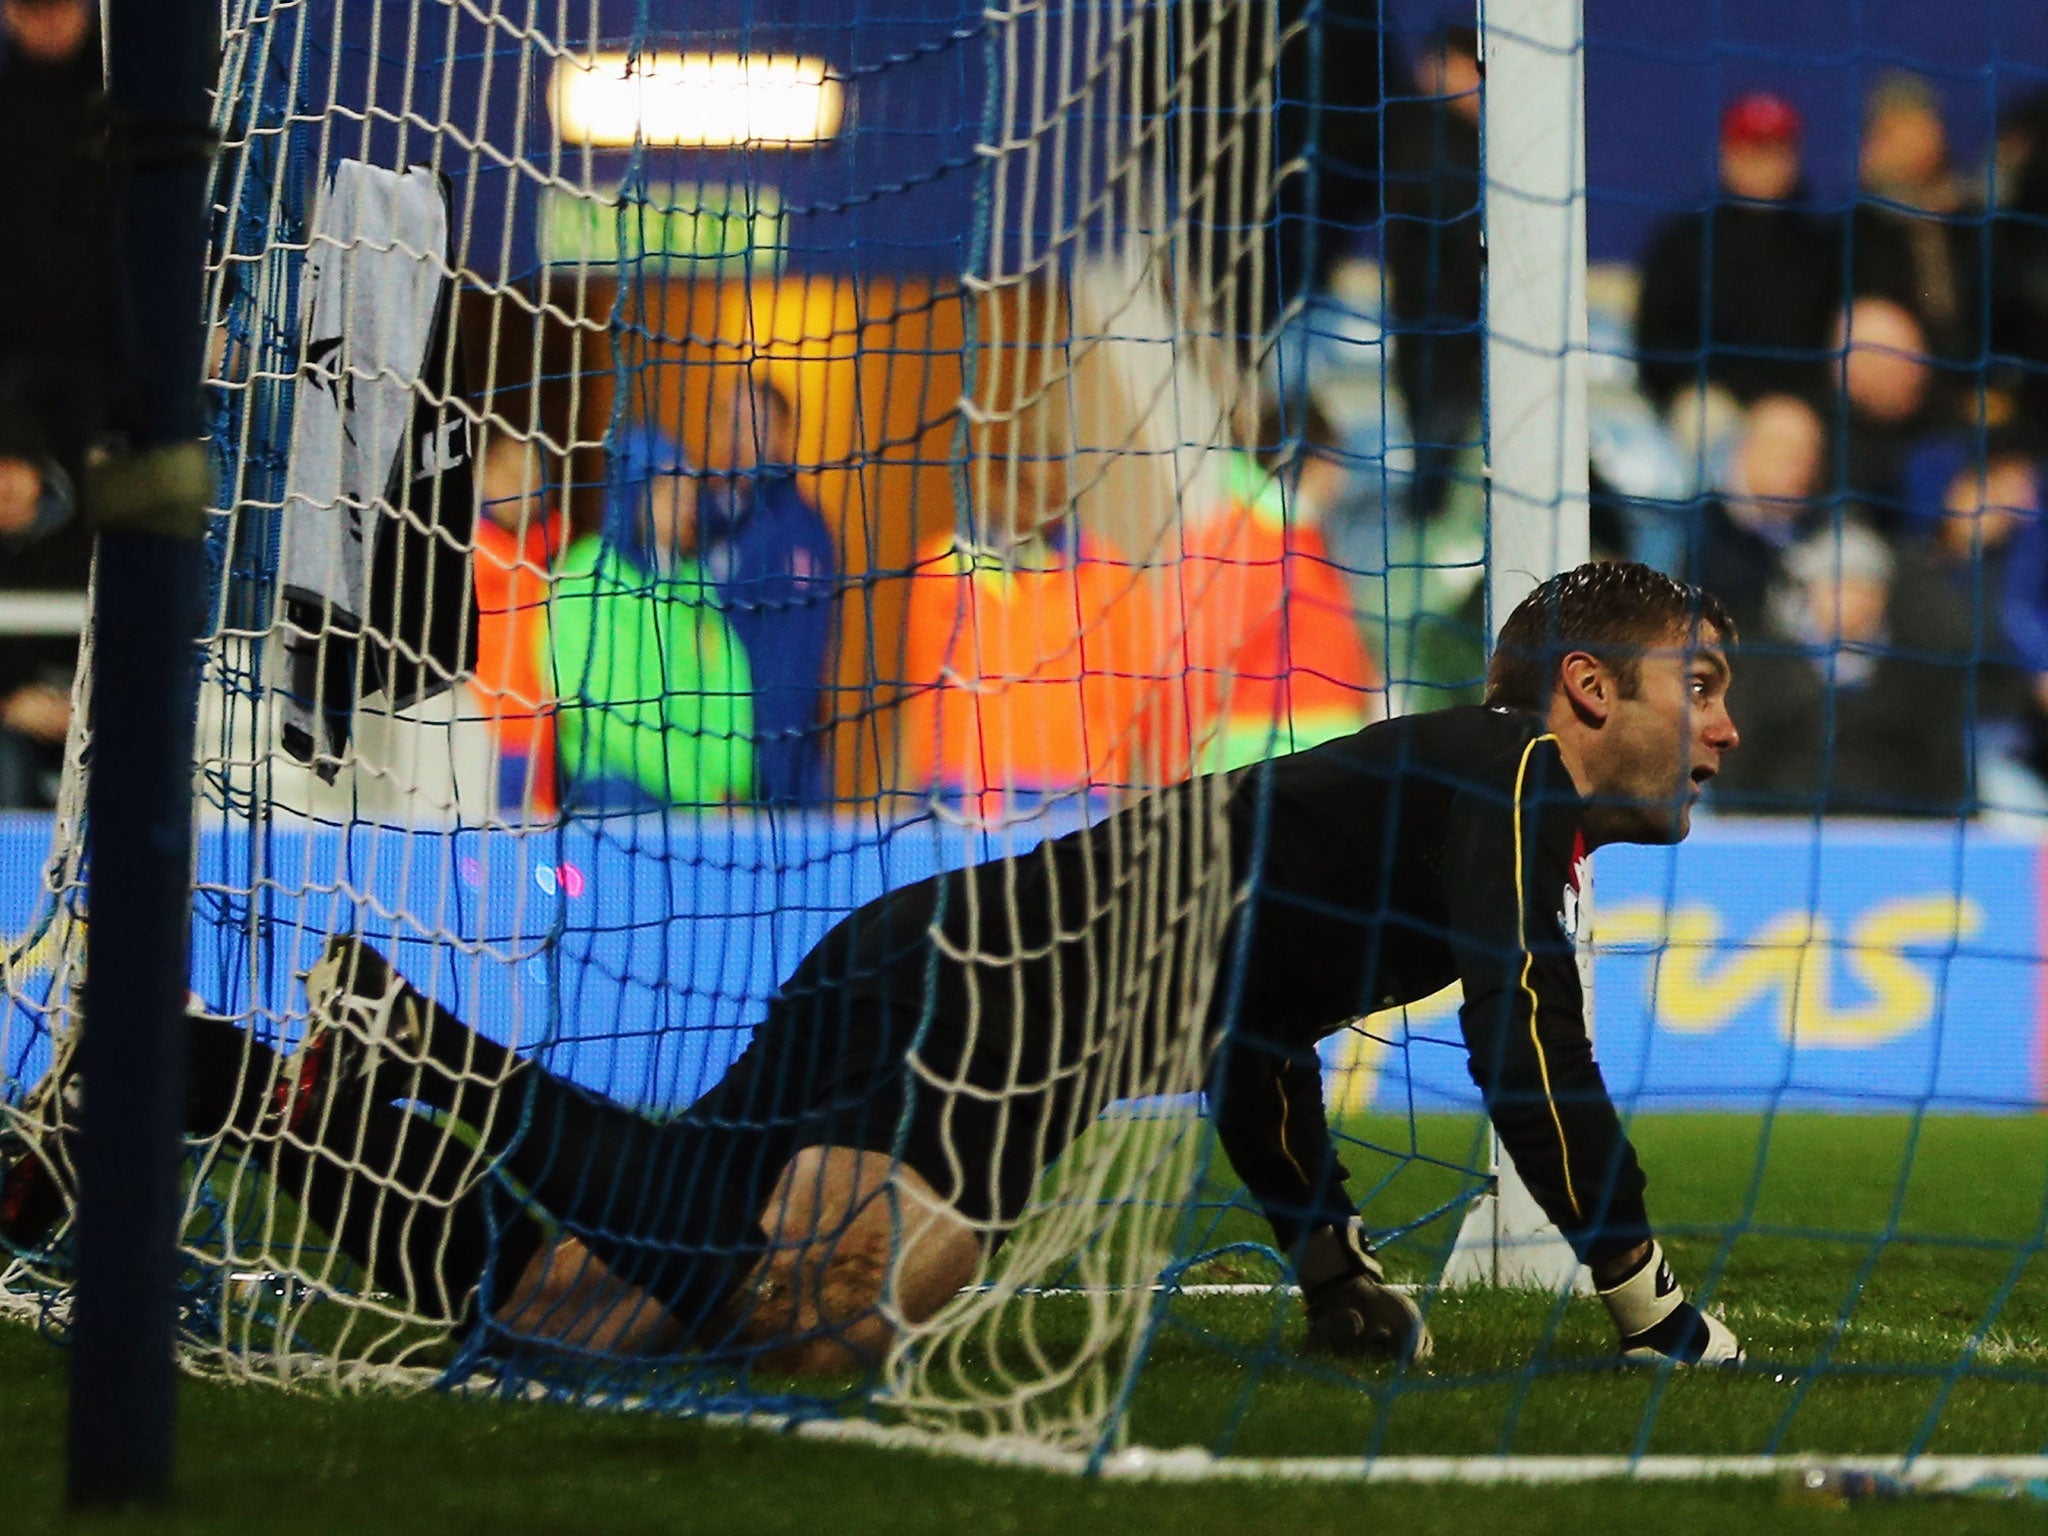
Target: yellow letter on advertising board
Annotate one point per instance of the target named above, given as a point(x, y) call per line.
point(1892, 952)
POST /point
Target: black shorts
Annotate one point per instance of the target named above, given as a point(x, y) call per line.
point(979, 1119)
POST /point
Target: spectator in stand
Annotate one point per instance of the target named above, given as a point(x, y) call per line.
point(519, 537)
point(1736, 298)
point(52, 181)
point(1767, 505)
point(1889, 402)
point(1980, 508)
point(2022, 128)
point(1034, 655)
point(1334, 119)
point(1275, 652)
point(53, 186)
point(1434, 261)
point(1857, 687)
point(766, 549)
point(36, 671)
point(48, 31)
point(2019, 261)
point(1325, 139)
point(655, 701)
point(2003, 510)
point(1911, 238)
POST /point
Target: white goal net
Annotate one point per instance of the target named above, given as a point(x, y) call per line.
point(523, 326)
point(688, 472)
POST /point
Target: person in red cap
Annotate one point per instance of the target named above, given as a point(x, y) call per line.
point(1761, 137)
point(1739, 296)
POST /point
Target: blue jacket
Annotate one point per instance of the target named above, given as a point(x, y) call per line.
point(770, 560)
point(767, 551)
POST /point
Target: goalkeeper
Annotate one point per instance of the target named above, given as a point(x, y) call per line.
point(944, 1044)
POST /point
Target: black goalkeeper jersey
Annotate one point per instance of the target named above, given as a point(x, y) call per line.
point(1430, 850)
point(974, 1024)
point(1369, 871)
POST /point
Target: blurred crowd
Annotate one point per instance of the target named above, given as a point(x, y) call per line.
point(1864, 389)
point(1831, 416)
point(49, 307)
point(684, 654)
point(1827, 415)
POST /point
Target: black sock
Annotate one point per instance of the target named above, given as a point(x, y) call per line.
point(658, 1202)
point(571, 1147)
point(229, 1076)
point(409, 1202)
point(406, 1217)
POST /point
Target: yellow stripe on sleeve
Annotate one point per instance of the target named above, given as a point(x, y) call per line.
point(1528, 964)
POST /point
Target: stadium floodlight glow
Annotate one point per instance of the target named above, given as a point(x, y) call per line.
point(695, 100)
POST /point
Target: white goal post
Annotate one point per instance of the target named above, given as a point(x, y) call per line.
point(1533, 210)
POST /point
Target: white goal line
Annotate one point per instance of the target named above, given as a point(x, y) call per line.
point(1923, 1474)
point(260, 1277)
point(1157, 1288)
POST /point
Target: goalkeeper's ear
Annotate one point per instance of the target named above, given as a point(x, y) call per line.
point(1658, 1325)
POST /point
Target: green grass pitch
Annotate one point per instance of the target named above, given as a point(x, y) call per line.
point(1885, 1275)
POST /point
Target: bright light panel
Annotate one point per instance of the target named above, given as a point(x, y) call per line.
point(693, 99)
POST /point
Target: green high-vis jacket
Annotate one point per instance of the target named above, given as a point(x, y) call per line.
point(653, 688)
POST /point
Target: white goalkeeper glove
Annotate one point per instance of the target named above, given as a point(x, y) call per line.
point(1352, 1310)
point(1657, 1324)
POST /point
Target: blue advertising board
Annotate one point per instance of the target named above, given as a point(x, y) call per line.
point(1839, 966)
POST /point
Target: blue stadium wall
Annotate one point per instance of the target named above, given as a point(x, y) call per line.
point(896, 192)
point(1658, 73)
point(1911, 953)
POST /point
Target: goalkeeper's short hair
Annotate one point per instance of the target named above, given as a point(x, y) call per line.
point(1616, 609)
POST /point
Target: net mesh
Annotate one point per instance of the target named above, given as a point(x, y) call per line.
point(576, 805)
point(1007, 320)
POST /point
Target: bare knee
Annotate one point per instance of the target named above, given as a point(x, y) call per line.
point(860, 1247)
point(567, 1296)
point(548, 1279)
